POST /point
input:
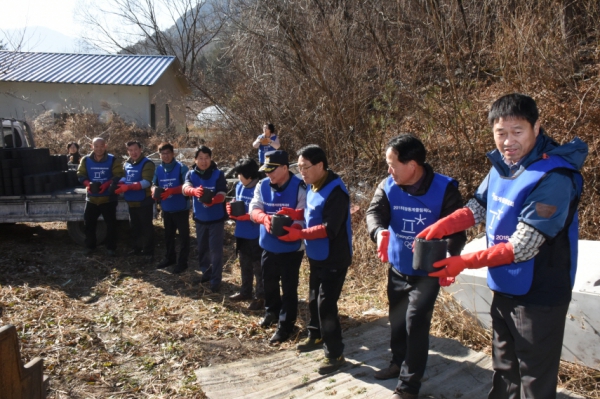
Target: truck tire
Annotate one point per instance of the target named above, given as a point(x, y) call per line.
point(76, 231)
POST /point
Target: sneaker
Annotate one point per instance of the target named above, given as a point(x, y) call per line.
point(240, 297)
point(165, 263)
point(257, 304)
point(179, 269)
point(329, 365)
point(403, 395)
point(393, 371)
point(280, 336)
point(310, 344)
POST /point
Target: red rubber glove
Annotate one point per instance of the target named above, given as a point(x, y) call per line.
point(259, 216)
point(122, 187)
point(295, 214)
point(459, 220)
point(217, 199)
point(383, 240)
point(170, 191)
point(446, 281)
point(86, 183)
point(497, 255)
point(193, 192)
point(243, 218)
point(104, 186)
point(295, 233)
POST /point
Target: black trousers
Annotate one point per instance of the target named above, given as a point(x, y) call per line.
point(250, 253)
point(325, 287)
point(91, 213)
point(142, 230)
point(411, 299)
point(173, 222)
point(284, 267)
point(526, 348)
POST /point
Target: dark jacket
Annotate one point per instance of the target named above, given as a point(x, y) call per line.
point(379, 215)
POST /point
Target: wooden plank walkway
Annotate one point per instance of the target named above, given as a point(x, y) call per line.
point(453, 371)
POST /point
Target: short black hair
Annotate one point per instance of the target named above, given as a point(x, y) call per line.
point(247, 167)
point(314, 154)
point(73, 143)
point(203, 149)
point(165, 146)
point(408, 148)
point(271, 127)
point(514, 105)
point(133, 142)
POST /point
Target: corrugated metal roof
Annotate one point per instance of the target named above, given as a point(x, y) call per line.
point(101, 69)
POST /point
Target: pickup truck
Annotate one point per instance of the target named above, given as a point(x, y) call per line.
point(59, 205)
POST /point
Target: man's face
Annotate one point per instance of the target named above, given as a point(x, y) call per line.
point(203, 161)
point(166, 156)
point(99, 148)
point(515, 137)
point(134, 151)
point(402, 173)
point(279, 175)
point(310, 173)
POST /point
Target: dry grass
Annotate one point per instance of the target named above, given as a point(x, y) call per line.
point(117, 328)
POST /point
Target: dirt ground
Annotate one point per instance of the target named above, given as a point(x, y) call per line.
point(119, 328)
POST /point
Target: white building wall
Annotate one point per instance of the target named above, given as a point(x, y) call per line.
point(168, 90)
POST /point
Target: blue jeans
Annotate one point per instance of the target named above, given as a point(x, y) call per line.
point(210, 250)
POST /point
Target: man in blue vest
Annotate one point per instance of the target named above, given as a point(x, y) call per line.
point(528, 202)
point(209, 214)
point(411, 198)
point(135, 187)
point(268, 141)
point(246, 236)
point(280, 260)
point(100, 168)
point(328, 241)
point(169, 177)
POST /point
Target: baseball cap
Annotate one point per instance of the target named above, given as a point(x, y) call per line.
point(273, 159)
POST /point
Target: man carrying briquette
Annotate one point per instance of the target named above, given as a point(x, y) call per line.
point(280, 260)
point(170, 176)
point(328, 241)
point(528, 202)
point(135, 187)
point(101, 170)
point(411, 198)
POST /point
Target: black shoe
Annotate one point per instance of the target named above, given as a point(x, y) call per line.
point(240, 297)
point(269, 320)
point(329, 365)
point(280, 336)
point(179, 269)
point(215, 288)
point(165, 263)
point(205, 278)
point(310, 344)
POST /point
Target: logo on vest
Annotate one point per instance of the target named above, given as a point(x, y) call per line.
point(409, 224)
point(130, 175)
point(502, 200)
point(99, 174)
point(497, 217)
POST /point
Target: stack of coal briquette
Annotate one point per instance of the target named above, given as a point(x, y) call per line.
point(28, 171)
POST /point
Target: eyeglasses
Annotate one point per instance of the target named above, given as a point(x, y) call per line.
point(301, 168)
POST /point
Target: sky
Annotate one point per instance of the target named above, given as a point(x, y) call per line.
point(56, 15)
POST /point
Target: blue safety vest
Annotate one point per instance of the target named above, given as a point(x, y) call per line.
point(318, 249)
point(100, 172)
point(175, 202)
point(245, 228)
point(273, 201)
point(410, 214)
point(263, 149)
point(133, 174)
point(505, 199)
point(202, 212)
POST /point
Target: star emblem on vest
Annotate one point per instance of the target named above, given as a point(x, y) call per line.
point(420, 219)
